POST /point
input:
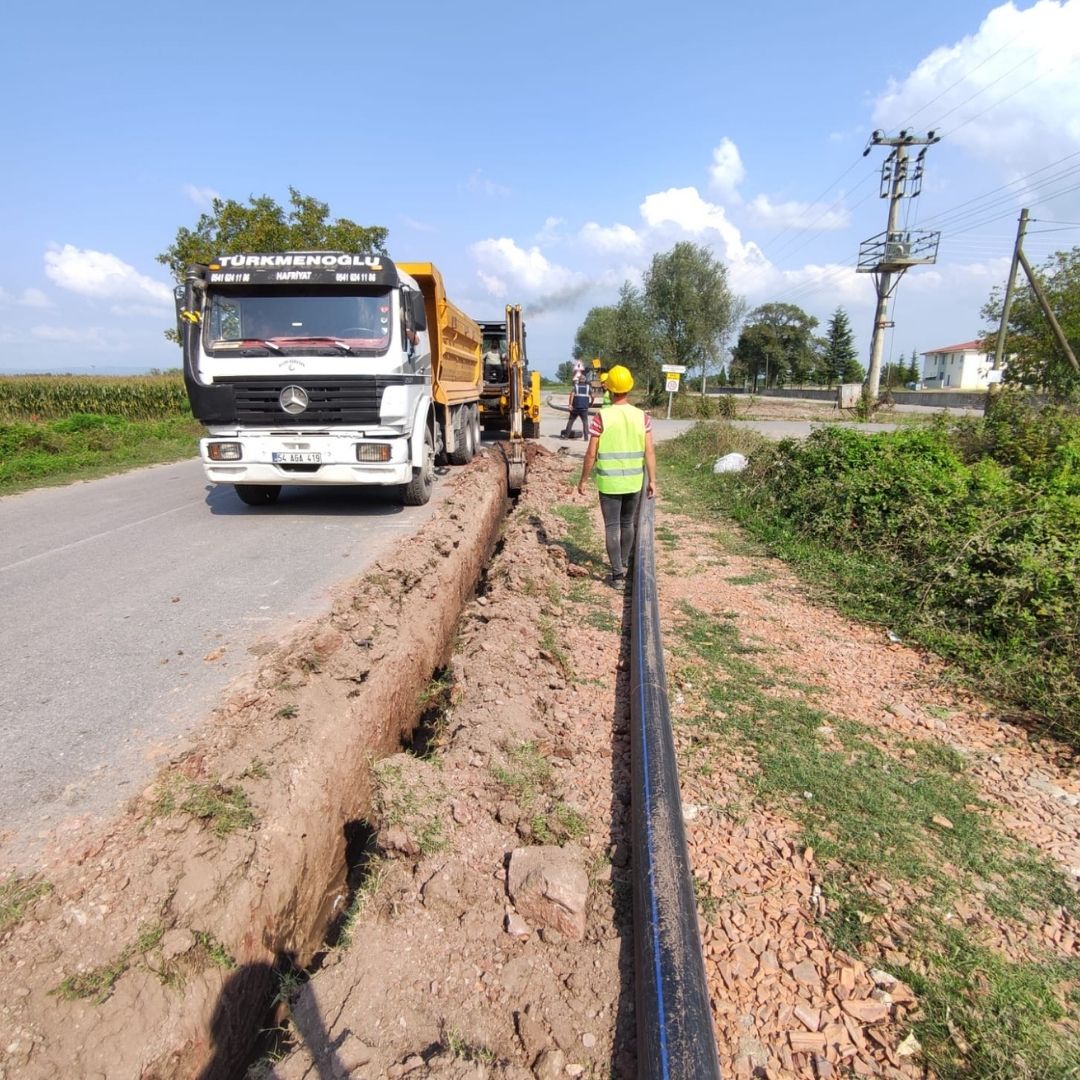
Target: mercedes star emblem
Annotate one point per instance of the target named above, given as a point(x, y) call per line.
point(293, 399)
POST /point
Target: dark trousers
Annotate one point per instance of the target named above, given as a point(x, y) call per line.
point(574, 414)
point(620, 525)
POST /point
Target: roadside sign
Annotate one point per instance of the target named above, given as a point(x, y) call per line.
point(674, 369)
point(672, 385)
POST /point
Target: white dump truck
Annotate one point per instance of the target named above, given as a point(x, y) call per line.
point(328, 367)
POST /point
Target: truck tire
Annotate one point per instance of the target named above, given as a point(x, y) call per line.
point(464, 437)
point(530, 429)
point(258, 494)
point(418, 490)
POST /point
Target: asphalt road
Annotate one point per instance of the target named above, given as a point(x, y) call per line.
point(115, 590)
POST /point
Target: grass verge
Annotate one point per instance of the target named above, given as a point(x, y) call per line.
point(36, 453)
point(893, 817)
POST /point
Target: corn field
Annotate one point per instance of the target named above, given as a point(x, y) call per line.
point(54, 397)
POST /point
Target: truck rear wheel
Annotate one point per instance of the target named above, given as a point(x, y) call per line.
point(464, 437)
point(418, 490)
point(258, 494)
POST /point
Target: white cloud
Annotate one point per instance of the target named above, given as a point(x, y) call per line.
point(1009, 93)
point(688, 212)
point(202, 197)
point(798, 215)
point(494, 285)
point(524, 268)
point(832, 282)
point(613, 238)
point(483, 185)
point(726, 172)
point(528, 274)
point(103, 277)
point(417, 226)
point(31, 298)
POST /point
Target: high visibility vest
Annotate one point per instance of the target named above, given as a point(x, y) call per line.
point(580, 397)
point(607, 399)
point(620, 457)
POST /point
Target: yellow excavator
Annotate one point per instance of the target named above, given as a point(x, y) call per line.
point(510, 398)
point(515, 362)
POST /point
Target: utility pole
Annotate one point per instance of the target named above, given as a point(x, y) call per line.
point(890, 253)
point(999, 347)
point(1019, 258)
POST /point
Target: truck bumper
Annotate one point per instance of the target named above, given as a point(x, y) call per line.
point(326, 459)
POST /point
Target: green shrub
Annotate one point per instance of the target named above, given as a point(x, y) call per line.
point(966, 537)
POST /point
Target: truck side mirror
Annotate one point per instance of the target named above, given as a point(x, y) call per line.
point(417, 312)
point(178, 297)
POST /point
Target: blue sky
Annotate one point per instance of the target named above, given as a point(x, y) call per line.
point(538, 154)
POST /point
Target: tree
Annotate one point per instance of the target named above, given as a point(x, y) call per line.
point(691, 306)
point(839, 348)
point(634, 342)
point(777, 341)
point(230, 228)
point(755, 356)
point(564, 373)
point(1033, 356)
point(914, 371)
point(596, 335)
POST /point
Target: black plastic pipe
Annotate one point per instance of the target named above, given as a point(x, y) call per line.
point(674, 1022)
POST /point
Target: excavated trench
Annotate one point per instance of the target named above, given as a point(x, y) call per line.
point(237, 914)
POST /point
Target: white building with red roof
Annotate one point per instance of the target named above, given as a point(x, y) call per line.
point(966, 366)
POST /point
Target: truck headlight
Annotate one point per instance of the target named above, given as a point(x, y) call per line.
point(224, 451)
point(372, 451)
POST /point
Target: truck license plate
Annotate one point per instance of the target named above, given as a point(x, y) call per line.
point(297, 457)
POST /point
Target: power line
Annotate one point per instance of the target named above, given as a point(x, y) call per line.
point(1008, 213)
point(964, 211)
point(993, 193)
point(809, 236)
point(809, 233)
point(966, 75)
point(1000, 100)
point(983, 90)
point(813, 202)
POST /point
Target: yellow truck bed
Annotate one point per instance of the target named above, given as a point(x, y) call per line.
point(456, 369)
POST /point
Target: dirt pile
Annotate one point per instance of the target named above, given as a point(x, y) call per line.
point(499, 942)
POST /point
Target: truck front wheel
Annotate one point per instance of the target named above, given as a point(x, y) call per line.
point(258, 494)
point(418, 491)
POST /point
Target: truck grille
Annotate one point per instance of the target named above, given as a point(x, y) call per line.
point(348, 401)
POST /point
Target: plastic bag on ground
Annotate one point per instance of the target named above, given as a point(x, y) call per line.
point(730, 463)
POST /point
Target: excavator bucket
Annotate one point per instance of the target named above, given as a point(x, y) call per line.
point(515, 465)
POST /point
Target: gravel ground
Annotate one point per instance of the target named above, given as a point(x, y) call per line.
point(496, 989)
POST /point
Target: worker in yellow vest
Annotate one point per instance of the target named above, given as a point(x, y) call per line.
point(621, 449)
point(606, 401)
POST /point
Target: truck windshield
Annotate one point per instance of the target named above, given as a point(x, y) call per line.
point(299, 319)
